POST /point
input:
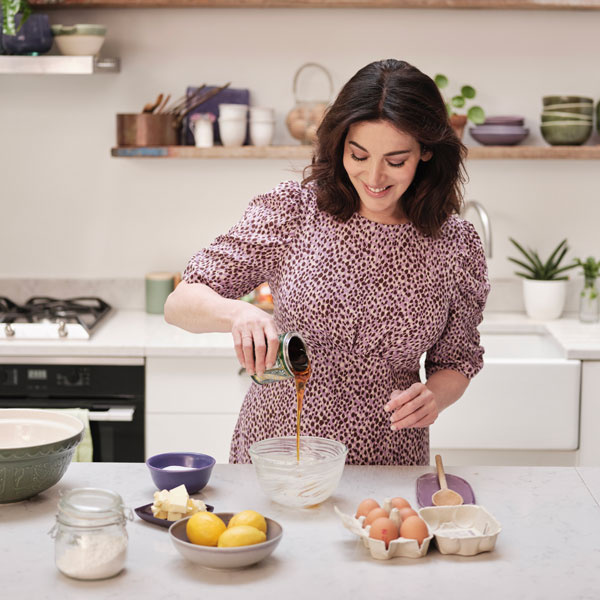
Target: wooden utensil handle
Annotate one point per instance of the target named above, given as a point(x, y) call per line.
point(440, 472)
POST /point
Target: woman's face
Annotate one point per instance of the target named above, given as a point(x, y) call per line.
point(381, 162)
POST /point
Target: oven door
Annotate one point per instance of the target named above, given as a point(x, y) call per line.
point(117, 426)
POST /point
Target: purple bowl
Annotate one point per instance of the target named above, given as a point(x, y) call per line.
point(504, 120)
point(499, 138)
point(195, 474)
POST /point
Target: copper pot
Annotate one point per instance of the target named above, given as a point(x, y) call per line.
point(146, 129)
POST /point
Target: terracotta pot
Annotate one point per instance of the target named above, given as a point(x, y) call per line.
point(458, 123)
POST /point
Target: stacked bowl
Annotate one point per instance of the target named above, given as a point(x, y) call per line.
point(567, 120)
point(500, 130)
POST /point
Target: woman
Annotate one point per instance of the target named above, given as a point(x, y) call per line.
point(369, 262)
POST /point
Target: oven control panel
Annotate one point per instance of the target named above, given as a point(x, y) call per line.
point(39, 378)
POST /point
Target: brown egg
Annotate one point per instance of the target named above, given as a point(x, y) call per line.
point(399, 503)
point(407, 512)
point(375, 514)
point(365, 507)
point(383, 529)
point(294, 115)
point(414, 528)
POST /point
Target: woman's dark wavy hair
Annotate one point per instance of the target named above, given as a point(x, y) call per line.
point(394, 91)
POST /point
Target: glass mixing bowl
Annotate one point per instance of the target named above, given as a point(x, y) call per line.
point(298, 483)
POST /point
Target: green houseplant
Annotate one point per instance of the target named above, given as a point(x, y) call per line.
point(544, 281)
point(589, 304)
point(10, 8)
point(457, 103)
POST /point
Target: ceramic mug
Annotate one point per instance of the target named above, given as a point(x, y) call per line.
point(261, 132)
point(158, 286)
point(232, 131)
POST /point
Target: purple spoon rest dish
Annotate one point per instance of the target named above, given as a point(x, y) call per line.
point(428, 484)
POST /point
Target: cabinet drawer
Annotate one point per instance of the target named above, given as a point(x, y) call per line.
point(195, 385)
point(207, 433)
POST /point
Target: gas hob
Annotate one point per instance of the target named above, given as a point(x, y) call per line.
point(44, 318)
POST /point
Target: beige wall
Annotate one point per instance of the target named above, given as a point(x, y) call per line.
point(70, 210)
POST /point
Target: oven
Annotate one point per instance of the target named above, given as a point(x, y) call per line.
point(111, 389)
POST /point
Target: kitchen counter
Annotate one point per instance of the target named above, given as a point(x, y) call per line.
point(549, 547)
point(134, 333)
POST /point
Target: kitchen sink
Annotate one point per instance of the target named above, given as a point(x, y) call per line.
point(525, 398)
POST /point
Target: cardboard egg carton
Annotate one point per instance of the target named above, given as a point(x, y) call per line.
point(400, 547)
point(467, 530)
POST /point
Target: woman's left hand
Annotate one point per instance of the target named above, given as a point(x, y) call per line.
point(413, 407)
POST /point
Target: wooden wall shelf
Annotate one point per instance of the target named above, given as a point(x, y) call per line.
point(305, 152)
point(469, 4)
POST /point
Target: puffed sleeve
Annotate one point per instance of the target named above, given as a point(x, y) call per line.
point(458, 347)
point(238, 261)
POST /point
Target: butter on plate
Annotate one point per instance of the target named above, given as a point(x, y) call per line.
point(175, 504)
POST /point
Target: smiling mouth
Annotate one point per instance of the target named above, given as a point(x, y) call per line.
point(376, 191)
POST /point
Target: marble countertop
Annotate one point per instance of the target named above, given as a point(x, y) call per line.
point(549, 546)
point(134, 333)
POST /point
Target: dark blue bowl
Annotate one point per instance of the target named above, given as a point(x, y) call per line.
point(198, 468)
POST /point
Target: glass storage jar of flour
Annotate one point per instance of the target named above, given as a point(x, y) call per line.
point(90, 535)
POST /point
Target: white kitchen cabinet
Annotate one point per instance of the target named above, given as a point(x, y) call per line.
point(589, 448)
point(192, 404)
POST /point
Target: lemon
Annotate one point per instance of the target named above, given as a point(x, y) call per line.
point(248, 517)
point(204, 529)
point(241, 535)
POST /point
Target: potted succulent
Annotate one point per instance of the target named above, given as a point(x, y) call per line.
point(544, 282)
point(589, 304)
point(458, 121)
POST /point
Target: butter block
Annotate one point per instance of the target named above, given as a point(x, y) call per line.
point(178, 499)
point(174, 516)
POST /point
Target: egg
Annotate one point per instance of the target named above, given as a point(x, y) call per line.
point(407, 512)
point(383, 529)
point(414, 528)
point(365, 507)
point(399, 503)
point(376, 513)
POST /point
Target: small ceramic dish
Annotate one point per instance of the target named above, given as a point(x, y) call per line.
point(145, 513)
point(467, 530)
point(575, 107)
point(79, 40)
point(565, 133)
point(171, 469)
point(212, 557)
point(400, 547)
point(504, 120)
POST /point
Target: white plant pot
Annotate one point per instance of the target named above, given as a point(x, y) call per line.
point(544, 300)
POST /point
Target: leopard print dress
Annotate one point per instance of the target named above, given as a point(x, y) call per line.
point(368, 298)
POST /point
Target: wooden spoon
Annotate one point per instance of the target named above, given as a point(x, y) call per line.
point(151, 107)
point(444, 496)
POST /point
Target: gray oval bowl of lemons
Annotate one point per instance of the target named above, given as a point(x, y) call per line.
point(226, 540)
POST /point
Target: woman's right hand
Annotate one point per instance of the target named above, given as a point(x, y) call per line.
point(254, 337)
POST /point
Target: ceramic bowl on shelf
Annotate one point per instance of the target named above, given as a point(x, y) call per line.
point(565, 116)
point(572, 107)
point(79, 40)
point(499, 135)
point(224, 558)
point(549, 100)
point(36, 448)
point(171, 469)
point(567, 133)
point(293, 483)
point(515, 120)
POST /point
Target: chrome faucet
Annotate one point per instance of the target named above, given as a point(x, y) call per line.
point(485, 222)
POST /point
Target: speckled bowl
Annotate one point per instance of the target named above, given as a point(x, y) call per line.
point(36, 448)
point(566, 133)
point(549, 100)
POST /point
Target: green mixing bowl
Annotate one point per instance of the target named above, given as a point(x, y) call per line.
point(566, 133)
point(36, 448)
